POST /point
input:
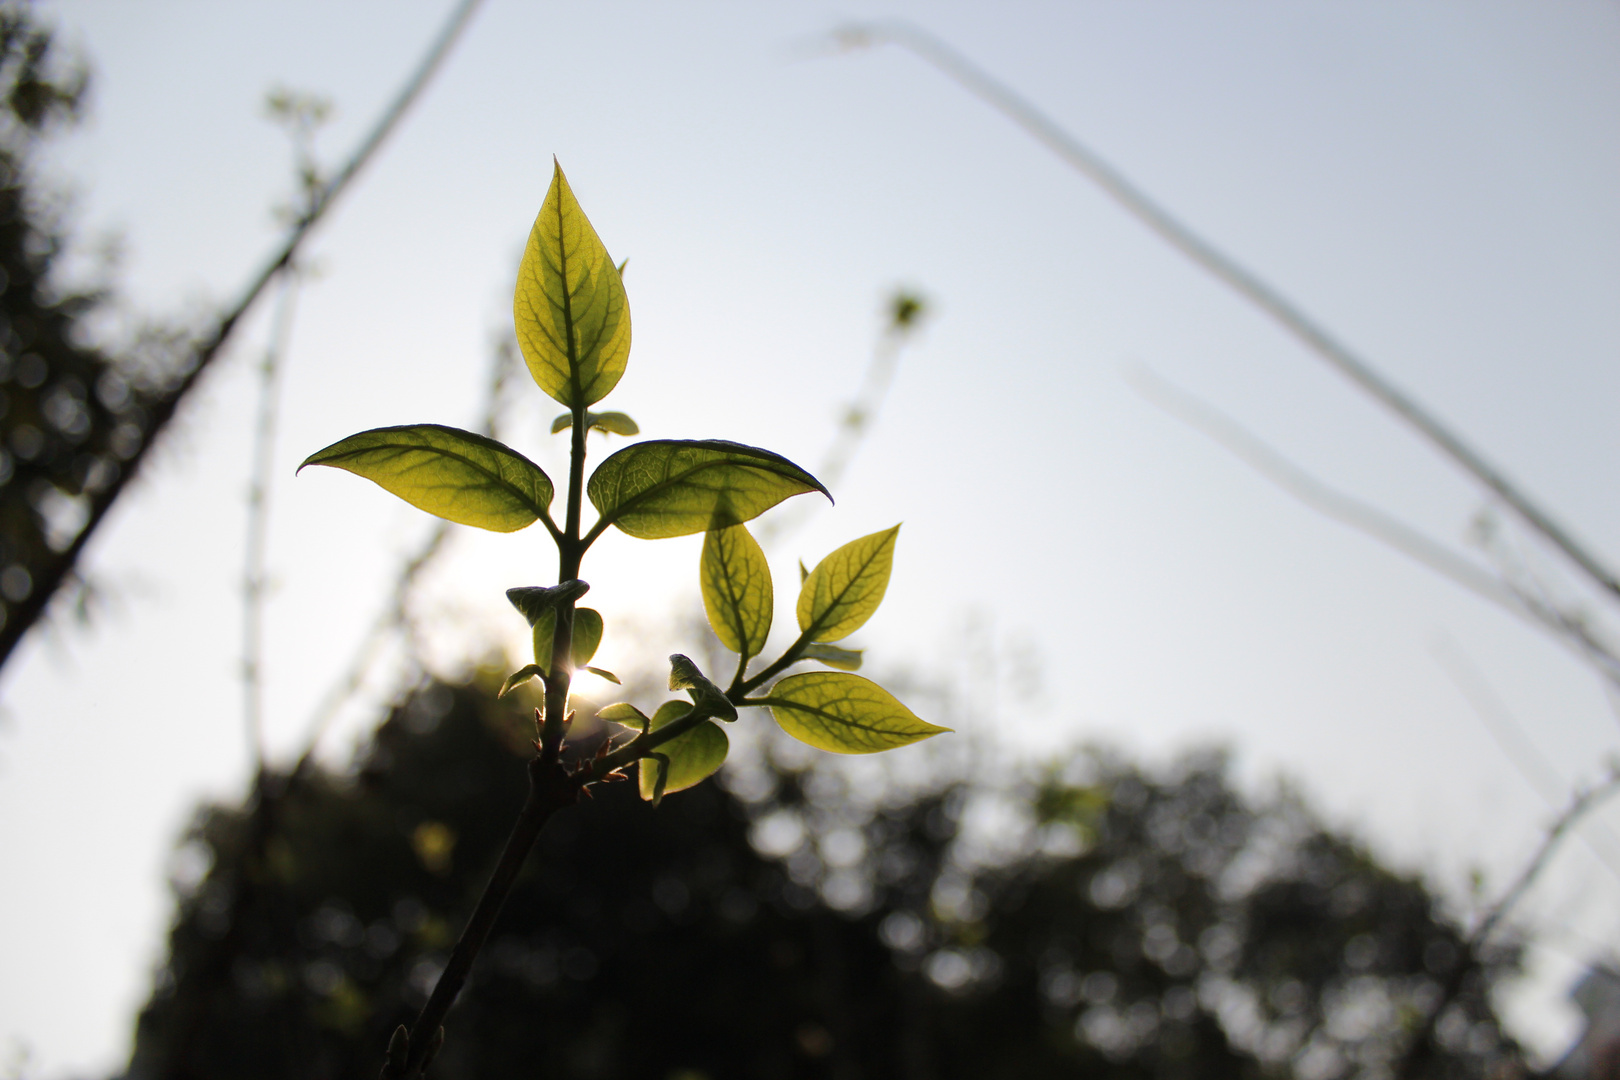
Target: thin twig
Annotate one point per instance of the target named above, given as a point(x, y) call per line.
point(395, 617)
point(258, 524)
point(1581, 805)
point(206, 350)
point(906, 311)
point(1518, 747)
point(1245, 282)
point(1572, 632)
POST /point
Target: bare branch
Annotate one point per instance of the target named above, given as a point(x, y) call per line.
point(1568, 629)
point(203, 352)
point(1247, 284)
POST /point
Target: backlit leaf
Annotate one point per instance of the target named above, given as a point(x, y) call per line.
point(622, 712)
point(843, 713)
point(846, 587)
point(674, 487)
point(737, 592)
point(533, 601)
point(458, 475)
point(587, 636)
point(614, 423)
point(833, 656)
point(693, 757)
point(603, 673)
point(684, 675)
point(518, 678)
point(570, 310)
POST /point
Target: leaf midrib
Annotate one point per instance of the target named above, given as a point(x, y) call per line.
point(816, 625)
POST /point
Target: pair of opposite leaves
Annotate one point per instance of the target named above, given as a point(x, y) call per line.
point(573, 325)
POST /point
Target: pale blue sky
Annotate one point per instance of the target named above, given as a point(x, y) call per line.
point(1439, 183)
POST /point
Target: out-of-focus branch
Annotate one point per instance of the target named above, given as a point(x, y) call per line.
point(904, 313)
point(1583, 803)
point(1201, 251)
point(258, 524)
point(202, 353)
point(394, 619)
point(1570, 630)
point(1518, 748)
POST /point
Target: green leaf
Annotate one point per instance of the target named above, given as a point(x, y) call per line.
point(684, 675)
point(570, 310)
point(533, 601)
point(602, 673)
point(587, 636)
point(518, 678)
point(737, 592)
point(803, 573)
point(843, 713)
point(846, 587)
point(833, 656)
point(673, 487)
point(693, 757)
point(614, 423)
point(622, 712)
point(458, 475)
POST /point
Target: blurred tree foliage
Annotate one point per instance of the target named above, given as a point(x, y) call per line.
point(794, 923)
point(71, 415)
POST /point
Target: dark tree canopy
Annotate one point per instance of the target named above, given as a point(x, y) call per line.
point(72, 416)
point(1131, 924)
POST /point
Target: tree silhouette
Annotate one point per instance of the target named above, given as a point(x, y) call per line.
point(1133, 925)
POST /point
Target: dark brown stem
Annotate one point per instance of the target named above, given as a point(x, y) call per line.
point(550, 789)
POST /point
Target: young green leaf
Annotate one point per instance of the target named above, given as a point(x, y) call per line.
point(572, 317)
point(843, 713)
point(684, 675)
point(455, 474)
point(602, 673)
point(737, 592)
point(674, 487)
point(518, 678)
point(613, 423)
point(833, 656)
point(846, 587)
point(622, 712)
point(533, 601)
point(587, 636)
point(693, 757)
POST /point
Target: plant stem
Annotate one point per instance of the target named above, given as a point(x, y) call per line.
point(550, 789)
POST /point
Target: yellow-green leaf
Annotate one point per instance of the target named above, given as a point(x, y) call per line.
point(612, 423)
point(737, 592)
point(570, 310)
point(833, 656)
point(846, 587)
point(622, 712)
point(587, 636)
point(676, 487)
point(457, 475)
point(693, 757)
point(843, 713)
